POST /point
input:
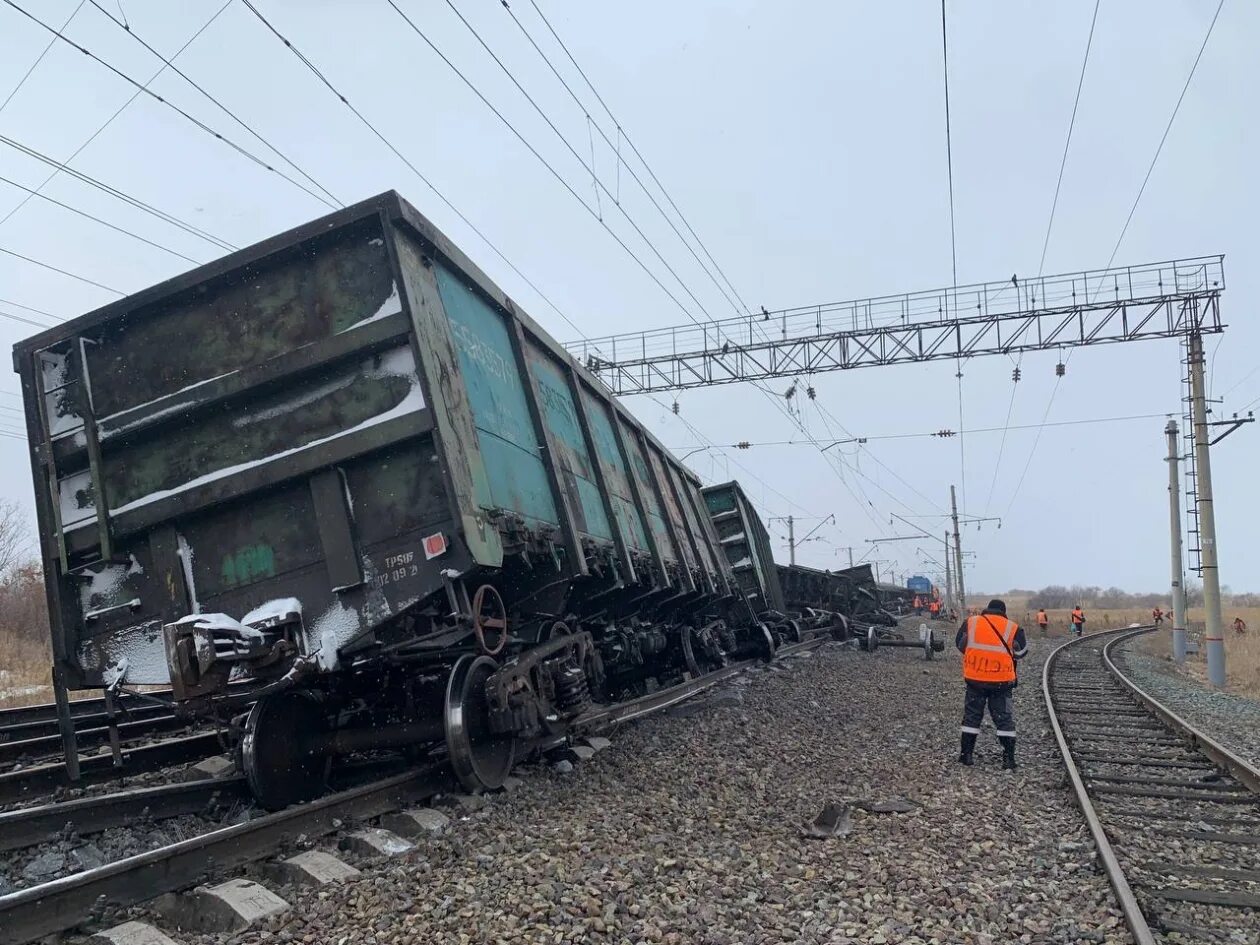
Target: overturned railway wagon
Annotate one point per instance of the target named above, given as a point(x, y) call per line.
point(746, 544)
point(342, 471)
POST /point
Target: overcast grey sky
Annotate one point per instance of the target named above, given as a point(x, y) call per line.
point(805, 142)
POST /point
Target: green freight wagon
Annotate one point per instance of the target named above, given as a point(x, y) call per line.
point(340, 477)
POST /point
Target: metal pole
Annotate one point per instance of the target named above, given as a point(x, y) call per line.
point(1214, 630)
point(850, 556)
point(1178, 572)
point(791, 542)
point(958, 569)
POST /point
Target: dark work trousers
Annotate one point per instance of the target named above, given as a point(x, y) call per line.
point(1000, 698)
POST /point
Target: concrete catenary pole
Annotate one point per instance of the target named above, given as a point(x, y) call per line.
point(958, 569)
point(949, 577)
point(1178, 568)
point(791, 541)
point(1214, 630)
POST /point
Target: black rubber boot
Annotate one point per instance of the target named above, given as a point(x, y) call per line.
point(968, 746)
point(1008, 753)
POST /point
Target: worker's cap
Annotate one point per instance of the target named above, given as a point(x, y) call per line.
point(997, 607)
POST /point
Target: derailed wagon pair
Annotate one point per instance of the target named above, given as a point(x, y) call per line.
point(341, 478)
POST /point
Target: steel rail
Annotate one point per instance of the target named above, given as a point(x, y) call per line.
point(88, 815)
point(49, 908)
point(1133, 916)
point(37, 911)
point(36, 746)
point(1240, 769)
point(26, 782)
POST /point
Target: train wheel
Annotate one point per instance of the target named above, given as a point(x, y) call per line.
point(840, 627)
point(872, 639)
point(278, 768)
point(480, 758)
point(767, 642)
point(792, 630)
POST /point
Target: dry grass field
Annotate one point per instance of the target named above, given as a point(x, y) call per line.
point(25, 673)
point(1242, 652)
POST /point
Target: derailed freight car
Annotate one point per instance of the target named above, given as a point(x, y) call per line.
point(746, 543)
point(343, 471)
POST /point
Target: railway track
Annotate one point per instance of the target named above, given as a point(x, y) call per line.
point(38, 911)
point(1175, 815)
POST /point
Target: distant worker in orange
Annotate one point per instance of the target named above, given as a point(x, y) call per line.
point(918, 605)
point(1043, 620)
point(1158, 616)
point(991, 645)
point(934, 608)
point(1240, 625)
point(1078, 620)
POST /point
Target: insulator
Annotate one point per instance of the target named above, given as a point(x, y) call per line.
point(572, 692)
point(1060, 369)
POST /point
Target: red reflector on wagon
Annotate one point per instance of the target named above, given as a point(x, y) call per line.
point(434, 545)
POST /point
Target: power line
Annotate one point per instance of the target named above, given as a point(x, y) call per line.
point(310, 65)
point(936, 434)
point(23, 320)
point(1160, 147)
point(953, 247)
point(44, 265)
point(1080, 84)
point(105, 223)
point(1124, 230)
point(38, 59)
point(64, 167)
point(37, 311)
point(603, 134)
point(126, 27)
point(621, 130)
point(560, 178)
point(60, 166)
point(143, 88)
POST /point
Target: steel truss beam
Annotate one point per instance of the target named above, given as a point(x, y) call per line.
point(1162, 300)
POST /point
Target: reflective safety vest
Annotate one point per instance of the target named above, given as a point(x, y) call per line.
point(1042, 618)
point(985, 659)
point(1078, 616)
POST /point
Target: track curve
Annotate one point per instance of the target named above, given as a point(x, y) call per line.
point(1174, 814)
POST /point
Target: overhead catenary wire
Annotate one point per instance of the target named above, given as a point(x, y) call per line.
point(1080, 84)
point(38, 59)
point(633, 174)
point(380, 136)
point(64, 167)
point(64, 272)
point(144, 89)
point(96, 219)
point(561, 179)
point(1164, 137)
point(333, 200)
point(629, 141)
point(23, 319)
point(1123, 231)
point(953, 247)
point(1045, 246)
point(60, 167)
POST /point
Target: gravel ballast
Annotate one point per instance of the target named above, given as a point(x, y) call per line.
point(1231, 719)
point(689, 830)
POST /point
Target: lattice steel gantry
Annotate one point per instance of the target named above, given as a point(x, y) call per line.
point(1106, 306)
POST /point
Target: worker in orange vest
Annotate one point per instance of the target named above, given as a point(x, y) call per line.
point(1157, 615)
point(991, 645)
point(934, 608)
point(918, 604)
point(1043, 621)
point(1078, 620)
